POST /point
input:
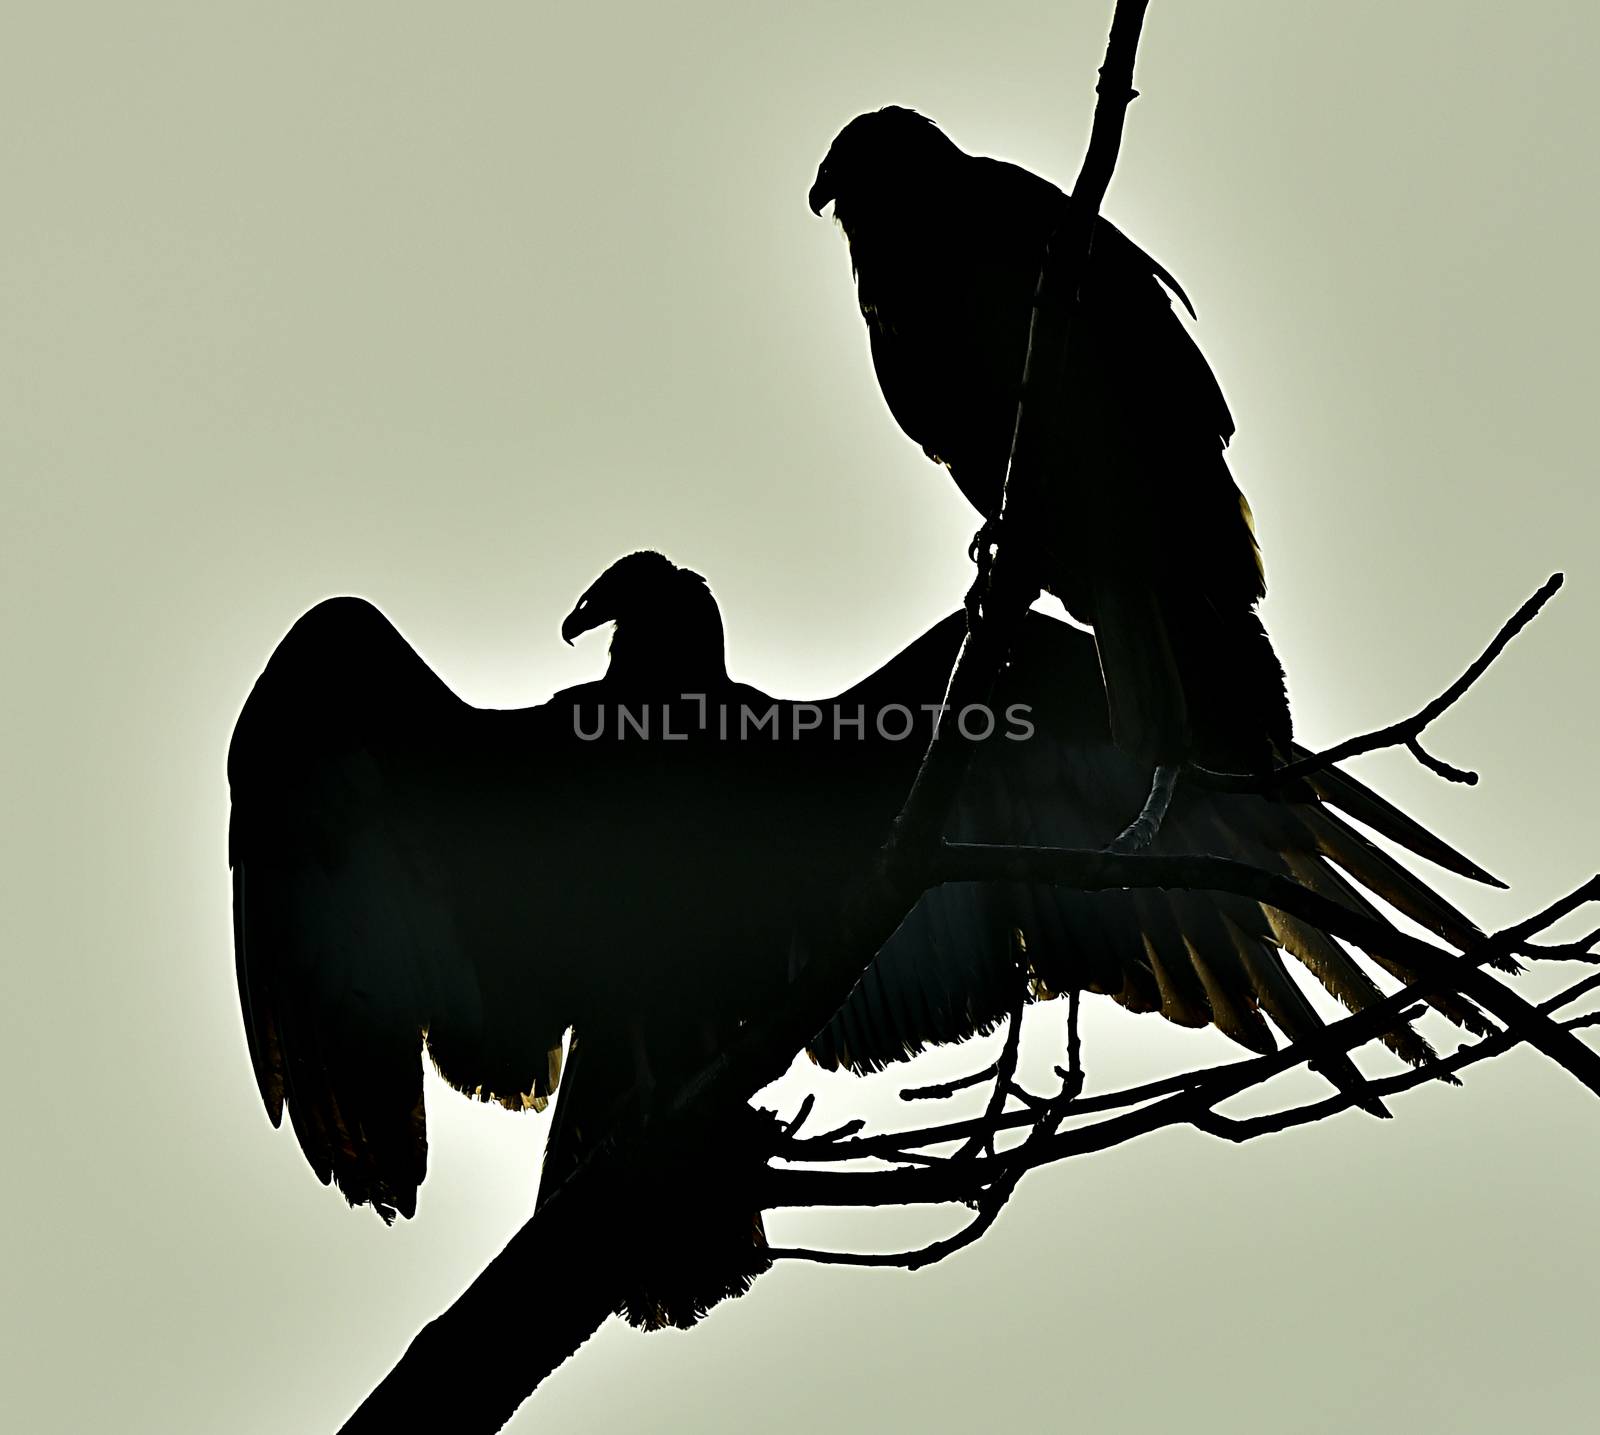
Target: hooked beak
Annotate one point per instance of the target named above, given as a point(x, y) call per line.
point(821, 191)
point(587, 615)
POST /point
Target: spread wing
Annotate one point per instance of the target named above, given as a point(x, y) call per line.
point(385, 873)
point(951, 969)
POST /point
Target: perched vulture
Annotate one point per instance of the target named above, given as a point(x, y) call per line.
point(1141, 531)
point(634, 859)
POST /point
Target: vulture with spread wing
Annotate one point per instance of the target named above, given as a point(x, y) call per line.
point(1142, 532)
point(634, 859)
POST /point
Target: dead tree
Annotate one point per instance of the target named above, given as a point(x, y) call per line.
point(565, 1271)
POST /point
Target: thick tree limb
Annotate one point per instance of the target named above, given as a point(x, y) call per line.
point(542, 1287)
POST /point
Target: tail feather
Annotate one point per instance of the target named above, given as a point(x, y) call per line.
point(1381, 874)
point(1286, 1004)
point(1238, 701)
point(708, 1242)
point(1328, 882)
point(1145, 696)
point(1214, 953)
point(1356, 800)
point(1326, 960)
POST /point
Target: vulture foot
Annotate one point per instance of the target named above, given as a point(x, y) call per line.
point(1142, 831)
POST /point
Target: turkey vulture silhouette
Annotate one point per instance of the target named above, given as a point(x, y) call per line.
point(1141, 532)
point(635, 859)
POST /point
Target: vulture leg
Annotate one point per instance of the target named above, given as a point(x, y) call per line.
point(1142, 831)
point(1145, 700)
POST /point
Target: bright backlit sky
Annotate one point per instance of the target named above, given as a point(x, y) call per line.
point(451, 305)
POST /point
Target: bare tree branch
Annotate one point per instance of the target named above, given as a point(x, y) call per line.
point(1092, 871)
point(799, 1118)
point(1005, 1071)
point(1008, 580)
point(1407, 732)
point(1186, 1107)
point(1175, 1100)
point(1578, 951)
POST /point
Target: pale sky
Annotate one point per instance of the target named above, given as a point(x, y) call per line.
point(450, 306)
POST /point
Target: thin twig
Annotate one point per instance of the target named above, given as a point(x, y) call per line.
point(1405, 733)
point(799, 1118)
point(908, 1260)
point(1073, 1075)
point(943, 1090)
point(1578, 951)
point(1191, 1106)
point(966, 1181)
point(1005, 1071)
point(890, 1145)
point(840, 1133)
point(818, 1149)
point(1234, 1129)
point(1092, 870)
point(1439, 766)
point(1204, 1119)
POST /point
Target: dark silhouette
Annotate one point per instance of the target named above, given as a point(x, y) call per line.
point(1140, 529)
point(586, 1239)
point(639, 857)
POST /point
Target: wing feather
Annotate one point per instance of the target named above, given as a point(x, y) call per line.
point(356, 781)
point(1198, 958)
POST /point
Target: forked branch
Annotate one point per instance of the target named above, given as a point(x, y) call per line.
point(1408, 732)
point(1191, 1101)
point(1188, 1099)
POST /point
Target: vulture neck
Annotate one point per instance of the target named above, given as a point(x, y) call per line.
point(675, 648)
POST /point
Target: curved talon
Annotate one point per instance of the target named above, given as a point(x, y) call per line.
point(1135, 837)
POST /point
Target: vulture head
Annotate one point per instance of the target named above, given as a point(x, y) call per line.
point(666, 619)
point(893, 154)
